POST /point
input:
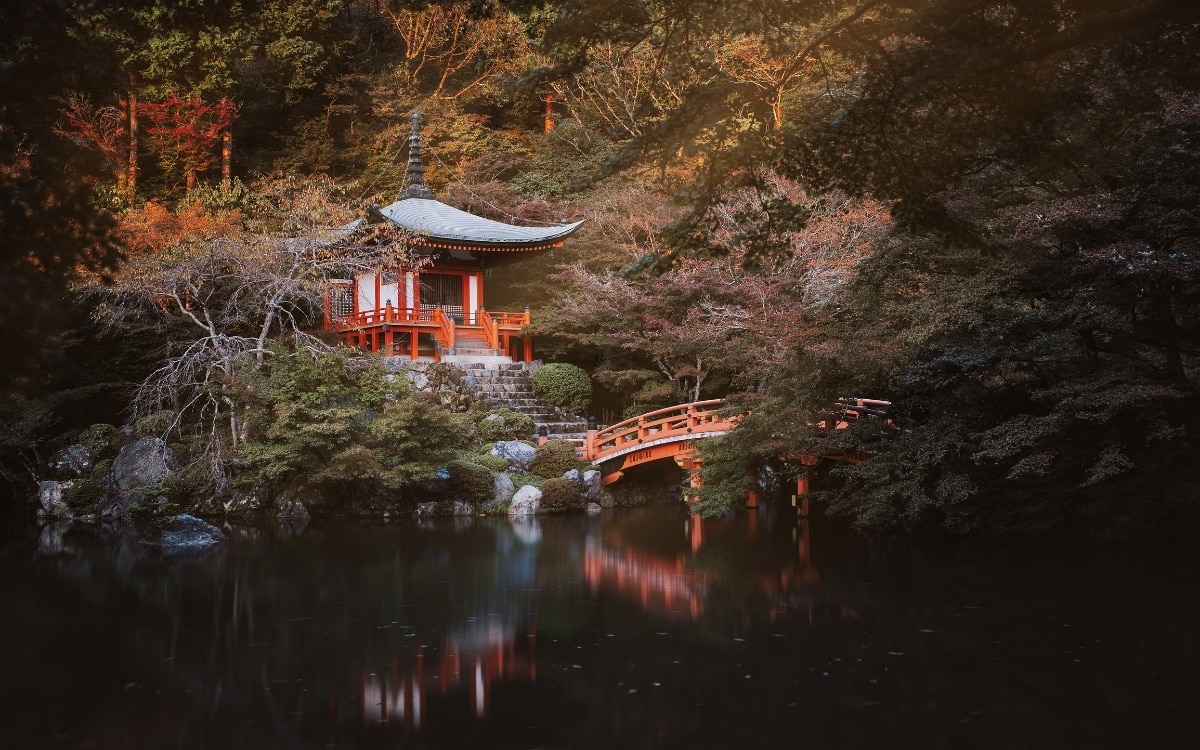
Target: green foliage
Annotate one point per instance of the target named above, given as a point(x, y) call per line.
point(496, 463)
point(564, 385)
point(728, 473)
point(101, 440)
point(328, 424)
point(83, 495)
point(154, 425)
point(470, 481)
point(560, 494)
point(505, 424)
point(554, 458)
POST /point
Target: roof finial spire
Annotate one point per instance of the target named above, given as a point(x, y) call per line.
point(414, 175)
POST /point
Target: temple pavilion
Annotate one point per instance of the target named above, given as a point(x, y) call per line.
point(437, 310)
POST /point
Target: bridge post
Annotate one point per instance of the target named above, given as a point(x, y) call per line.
point(800, 499)
point(589, 441)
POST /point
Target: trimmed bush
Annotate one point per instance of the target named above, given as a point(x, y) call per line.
point(561, 494)
point(505, 424)
point(554, 458)
point(470, 481)
point(563, 385)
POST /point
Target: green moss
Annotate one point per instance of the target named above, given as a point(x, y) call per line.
point(83, 495)
point(154, 425)
point(101, 440)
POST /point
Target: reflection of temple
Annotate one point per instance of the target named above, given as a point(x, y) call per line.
point(658, 585)
point(475, 664)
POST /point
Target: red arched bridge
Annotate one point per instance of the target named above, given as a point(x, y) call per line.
point(669, 435)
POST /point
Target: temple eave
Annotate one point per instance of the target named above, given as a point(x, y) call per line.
point(434, 243)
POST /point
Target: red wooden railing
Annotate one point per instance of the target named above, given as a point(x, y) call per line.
point(445, 323)
point(398, 315)
point(679, 421)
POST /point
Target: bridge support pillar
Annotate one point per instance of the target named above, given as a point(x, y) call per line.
point(800, 499)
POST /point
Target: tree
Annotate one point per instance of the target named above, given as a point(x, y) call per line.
point(747, 319)
point(331, 424)
point(185, 133)
point(452, 47)
point(231, 292)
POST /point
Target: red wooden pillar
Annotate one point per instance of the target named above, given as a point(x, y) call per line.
point(801, 498)
point(412, 343)
point(528, 348)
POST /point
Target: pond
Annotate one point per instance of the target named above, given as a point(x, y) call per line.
point(634, 628)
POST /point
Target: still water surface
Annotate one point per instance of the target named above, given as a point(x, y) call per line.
point(634, 629)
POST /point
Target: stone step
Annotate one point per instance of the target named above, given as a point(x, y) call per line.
point(562, 428)
point(502, 380)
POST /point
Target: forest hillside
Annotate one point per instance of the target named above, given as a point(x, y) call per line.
point(986, 213)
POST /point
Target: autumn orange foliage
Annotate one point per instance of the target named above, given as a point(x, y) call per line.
point(153, 226)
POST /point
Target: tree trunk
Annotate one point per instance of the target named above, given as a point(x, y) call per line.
point(131, 179)
point(548, 121)
point(227, 157)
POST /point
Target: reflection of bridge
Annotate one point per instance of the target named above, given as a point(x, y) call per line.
point(669, 435)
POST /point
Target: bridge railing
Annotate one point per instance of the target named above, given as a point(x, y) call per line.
point(671, 422)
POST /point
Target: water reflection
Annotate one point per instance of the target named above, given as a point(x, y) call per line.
point(645, 626)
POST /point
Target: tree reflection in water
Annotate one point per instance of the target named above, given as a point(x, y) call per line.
point(640, 627)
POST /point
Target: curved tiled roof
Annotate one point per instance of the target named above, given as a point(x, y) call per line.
point(442, 222)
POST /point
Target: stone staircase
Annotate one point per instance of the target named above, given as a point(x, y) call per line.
point(509, 385)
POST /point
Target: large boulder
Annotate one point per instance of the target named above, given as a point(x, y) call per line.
point(526, 502)
point(50, 496)
point(144, 462)
point(503, 488)
point(593, 491)
point(74, 459)
point(185, 535)
point(519, 455)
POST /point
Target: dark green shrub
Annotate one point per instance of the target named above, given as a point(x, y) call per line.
point(470, 481)
point(154, 425)
point(83, 495)
point(563, 385)
point(505, 424)
point(561, 494)
point(554, 458)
